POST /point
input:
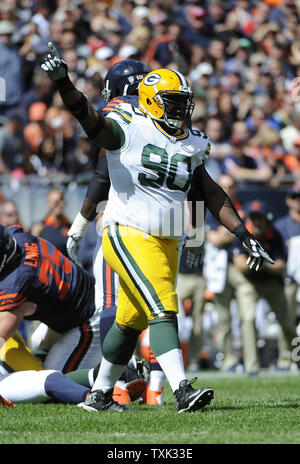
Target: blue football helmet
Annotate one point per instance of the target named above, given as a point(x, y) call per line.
point(123, 78)
point(8, 247)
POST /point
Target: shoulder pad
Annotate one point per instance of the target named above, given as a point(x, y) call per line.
point(15, 229)
point(124, 111)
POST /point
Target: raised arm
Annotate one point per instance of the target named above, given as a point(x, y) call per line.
point(98, 128)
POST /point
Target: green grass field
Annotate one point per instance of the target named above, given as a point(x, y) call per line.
point(261, 410)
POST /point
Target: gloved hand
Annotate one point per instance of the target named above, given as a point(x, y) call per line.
point(73, 248)
point(76, 234)
point(55, 67)
point(256, 253)
point(195, 256)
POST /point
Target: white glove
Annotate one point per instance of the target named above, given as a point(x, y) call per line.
point(55, 67)
point(76, 234)
point(257, 254)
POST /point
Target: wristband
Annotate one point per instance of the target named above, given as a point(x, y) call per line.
point(79, 226)
point(241, 232)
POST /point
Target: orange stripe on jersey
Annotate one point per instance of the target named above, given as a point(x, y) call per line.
point(108, 285)
point(9, 295)
point(112, 104)
point(152, 358)
point(12, 305)
point(9, 301)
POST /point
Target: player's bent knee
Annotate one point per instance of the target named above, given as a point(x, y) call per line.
point(128, 330)
point(171, 315)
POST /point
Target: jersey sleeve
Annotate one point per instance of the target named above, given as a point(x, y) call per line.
point(202, 148)
point(121, 117)
point(10, 299)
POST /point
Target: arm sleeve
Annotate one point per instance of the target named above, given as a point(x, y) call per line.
point(99, 185)
point(204, 188)
point(97, 191)
point(99, 129)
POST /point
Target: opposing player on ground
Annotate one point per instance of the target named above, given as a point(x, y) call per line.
point(38, 282)
point(154, 161)
point(39, 387)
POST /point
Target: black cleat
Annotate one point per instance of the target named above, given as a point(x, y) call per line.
point(97, 400)
point(189, 400)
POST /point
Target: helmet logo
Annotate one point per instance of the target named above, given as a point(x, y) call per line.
point(152, 79)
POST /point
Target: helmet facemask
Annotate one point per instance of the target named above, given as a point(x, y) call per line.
point(177, 107)
point(7, 251)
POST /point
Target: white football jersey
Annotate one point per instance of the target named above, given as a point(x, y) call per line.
point(151, 174)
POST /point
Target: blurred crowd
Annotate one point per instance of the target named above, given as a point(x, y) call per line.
point(242, 59)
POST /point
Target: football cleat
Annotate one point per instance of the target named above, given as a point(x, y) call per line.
point(131, 391)
point(121, 395)
point(189, 400)
point(153, 397)
point(137, 368)
point(6, 403)
point(98, 400)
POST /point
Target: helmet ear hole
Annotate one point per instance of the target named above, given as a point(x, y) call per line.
point(149, 102)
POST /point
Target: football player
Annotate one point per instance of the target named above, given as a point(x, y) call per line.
point(154, 162)
point(120, 86)
point(38, 282)
point(38, 387)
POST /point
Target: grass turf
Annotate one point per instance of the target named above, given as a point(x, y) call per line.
point(261, 410)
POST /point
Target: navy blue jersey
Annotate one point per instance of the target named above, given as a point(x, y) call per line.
point(112, 104)
point(62, 291)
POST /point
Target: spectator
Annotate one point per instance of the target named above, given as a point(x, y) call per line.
point(9, 214)
point(35, 130)
point(40, 91)
point(13, 146)
point(190, 289)
point(41, 18)
point(291, 131)
point(289, 226)
point(227, 113)
point(267, 283)
point(55, 226)
point(47, 162)
point(215, 131)
point(220, 275)
point(292, 160)
point(10, 70)
point(82, 160)
point(239, 164)
point(169, 48)
point(195, 30)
